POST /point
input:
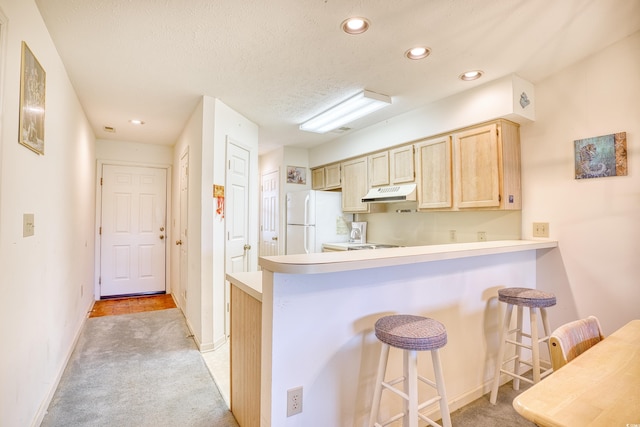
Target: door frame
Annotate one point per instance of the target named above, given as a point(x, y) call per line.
point(98, 219)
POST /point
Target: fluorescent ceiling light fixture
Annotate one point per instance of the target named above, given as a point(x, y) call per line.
point(359, 105)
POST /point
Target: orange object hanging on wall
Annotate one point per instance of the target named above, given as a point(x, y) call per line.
point(218, 194)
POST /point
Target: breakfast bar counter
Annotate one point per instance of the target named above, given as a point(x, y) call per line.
point(318, 313)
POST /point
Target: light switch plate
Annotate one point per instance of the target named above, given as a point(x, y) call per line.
point(28, 226)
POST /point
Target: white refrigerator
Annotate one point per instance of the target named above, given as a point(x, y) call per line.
point(313, 218)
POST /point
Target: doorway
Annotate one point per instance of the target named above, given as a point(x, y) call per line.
point(132, 230)
point(270, 218)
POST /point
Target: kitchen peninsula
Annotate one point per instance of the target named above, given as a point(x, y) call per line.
point(318, 312)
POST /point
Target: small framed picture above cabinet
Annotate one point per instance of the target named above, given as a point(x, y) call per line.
point(296, 175)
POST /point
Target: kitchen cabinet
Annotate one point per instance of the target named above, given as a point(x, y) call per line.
point(477, 168)
point(379, 169)
point(433, 177)
point(487, 167)
point(326, 177)
point(355, 185)
point(402, 165)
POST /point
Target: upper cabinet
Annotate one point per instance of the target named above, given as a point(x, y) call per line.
point(476, 168)
point(433, 177)
point(402, 165)
point(379, 169)
point(355, 185)
point(487, 167)
point(326, 177)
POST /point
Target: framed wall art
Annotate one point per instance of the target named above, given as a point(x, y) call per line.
point(32, 94)
point(601, 156)
point(296, 175)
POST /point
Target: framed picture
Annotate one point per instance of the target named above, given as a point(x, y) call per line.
point(32, 94)
point(601, 156)
point(296, 175)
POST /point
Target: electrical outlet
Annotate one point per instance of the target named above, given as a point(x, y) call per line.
point(294, 401)
point(482, 236)
point(453, 236)
point(540, 229)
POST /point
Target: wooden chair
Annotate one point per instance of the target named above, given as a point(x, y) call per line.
point(572, 339)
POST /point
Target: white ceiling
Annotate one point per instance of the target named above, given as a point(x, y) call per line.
point(280, 62)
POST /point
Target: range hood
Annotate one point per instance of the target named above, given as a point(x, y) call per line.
point(395, 193)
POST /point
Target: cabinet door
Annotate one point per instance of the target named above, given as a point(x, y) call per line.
point(354, 185)
point(433, 167)
point(402, 165)
point(317, 179)
point(379, 169)
point(332, 176)
point(477, 163)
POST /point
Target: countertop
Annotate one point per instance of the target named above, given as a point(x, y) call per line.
point(249, 282)
point(329, 262)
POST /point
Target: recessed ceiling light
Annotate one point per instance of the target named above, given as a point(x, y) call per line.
point(471, 75)
point(355, 25)
point(136, 122)
point(419, 52)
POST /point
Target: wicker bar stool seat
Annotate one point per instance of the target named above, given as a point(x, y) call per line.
point(410, 334)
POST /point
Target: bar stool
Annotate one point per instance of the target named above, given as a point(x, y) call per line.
point(411, 334)
point(533, 299)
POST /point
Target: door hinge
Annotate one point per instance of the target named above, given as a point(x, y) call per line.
point(101, 180)
point(100, 231)
point(100, 280)
point(227, 307)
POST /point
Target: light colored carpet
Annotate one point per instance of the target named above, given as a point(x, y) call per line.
point(137, 370)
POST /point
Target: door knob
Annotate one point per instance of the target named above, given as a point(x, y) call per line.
point(274, 238)
point(161, 228)
point(247, 247)
point(178, 242)
point(161, 236)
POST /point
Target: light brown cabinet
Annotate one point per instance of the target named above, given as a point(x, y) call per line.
point(487, 167)
point(379, 169)
point(402, 165)
point(355, 185)
point(326, 177)
point(433, 173)
point(475, 168)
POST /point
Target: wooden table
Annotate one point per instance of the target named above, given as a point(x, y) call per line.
point(599, 388)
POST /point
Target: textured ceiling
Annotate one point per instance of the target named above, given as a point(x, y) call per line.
point(280, 62)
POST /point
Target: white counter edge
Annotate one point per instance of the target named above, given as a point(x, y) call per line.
point(248, 282)
point(330, 262)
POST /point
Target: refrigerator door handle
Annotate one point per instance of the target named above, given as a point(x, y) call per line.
point(306, 240)
point(306, 213)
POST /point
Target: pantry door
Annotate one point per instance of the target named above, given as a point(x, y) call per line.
point(133, 230)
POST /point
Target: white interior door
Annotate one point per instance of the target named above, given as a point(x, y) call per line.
point(132, 244)
point(236, 215)
point(182, 241)
point(270, 219)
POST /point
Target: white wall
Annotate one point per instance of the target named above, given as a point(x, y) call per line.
point(205, 137)
point(596, 221)
point(190, 140)
point(134, 152)
point(45, 280)
point(229, 125)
